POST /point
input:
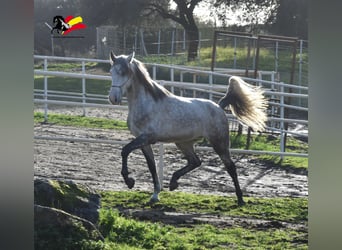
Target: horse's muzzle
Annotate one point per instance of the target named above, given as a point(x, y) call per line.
point(114, 96)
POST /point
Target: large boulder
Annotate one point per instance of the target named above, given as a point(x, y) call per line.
point(57, 229)
point(76, 199)
point(65, 216)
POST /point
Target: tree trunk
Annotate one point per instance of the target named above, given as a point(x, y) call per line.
point(185, 17)
point(193, 39)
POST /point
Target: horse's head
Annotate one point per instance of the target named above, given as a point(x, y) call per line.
point(121, 76)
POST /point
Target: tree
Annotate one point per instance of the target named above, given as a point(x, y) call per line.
point(184, 15)
point(291, 18)
point(283, 17)
point(112, 12)
point(250, 12)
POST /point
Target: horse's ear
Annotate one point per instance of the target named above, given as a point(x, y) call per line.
point(130, 57)
point(112, 57)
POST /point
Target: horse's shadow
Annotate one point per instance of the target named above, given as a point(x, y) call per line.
point(165, 215)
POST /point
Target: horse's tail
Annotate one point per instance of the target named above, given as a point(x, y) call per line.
point(246, 102)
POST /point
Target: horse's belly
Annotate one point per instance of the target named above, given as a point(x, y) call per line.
point(167, 132)
point(176, 132)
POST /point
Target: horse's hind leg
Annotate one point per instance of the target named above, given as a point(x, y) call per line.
point(221, 148)
point(187, 149)
point(148, 153)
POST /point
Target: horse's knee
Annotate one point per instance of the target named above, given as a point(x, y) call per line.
point(124, 152)
point(230, 167)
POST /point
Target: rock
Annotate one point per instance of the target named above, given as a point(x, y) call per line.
point(70, 197)
point(57, 229)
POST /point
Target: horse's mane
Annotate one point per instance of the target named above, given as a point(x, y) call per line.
point(157, 91)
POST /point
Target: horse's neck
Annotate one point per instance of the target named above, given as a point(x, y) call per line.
point(139, 99)
point(138, 96)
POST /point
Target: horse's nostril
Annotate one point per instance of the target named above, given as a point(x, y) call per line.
point(114, 98)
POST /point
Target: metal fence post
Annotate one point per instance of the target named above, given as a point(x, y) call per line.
point(161, 165)
point(211, 86)
point(136, 39)
point(199, 46)
point(181, 80)
point(184, 34)
point(282, 126)
point(276, 59)
point(45, 92)
point(158, 45)
point(172, 77)
point(172, 42)
point(83, 88)
point(154, 72)
point(300, 68)
point(235, 53)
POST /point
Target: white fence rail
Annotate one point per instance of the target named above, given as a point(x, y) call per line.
point(84, 99)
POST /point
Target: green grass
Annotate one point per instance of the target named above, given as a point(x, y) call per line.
point(100, 87)
point(281, 209)
point(80, 121)
point(271, 143)
point(267, 143)
point(66, 66)
point(124, 232)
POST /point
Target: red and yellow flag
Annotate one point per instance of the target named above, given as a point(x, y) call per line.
point(74, 23)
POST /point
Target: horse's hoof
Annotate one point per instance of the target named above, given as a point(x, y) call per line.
point(130, 183)
point(173, 185)
point(153, 200)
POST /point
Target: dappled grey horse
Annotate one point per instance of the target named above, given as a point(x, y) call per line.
point(157, 115)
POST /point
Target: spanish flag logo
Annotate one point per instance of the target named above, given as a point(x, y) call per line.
point(68, 24)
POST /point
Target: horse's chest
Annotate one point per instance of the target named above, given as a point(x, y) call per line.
point(138, 122)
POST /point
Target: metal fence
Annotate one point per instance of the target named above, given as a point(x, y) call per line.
point(203, 84)
point(173, 42)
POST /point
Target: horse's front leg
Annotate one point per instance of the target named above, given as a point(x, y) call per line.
point(139, 142)
point(148, 153)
